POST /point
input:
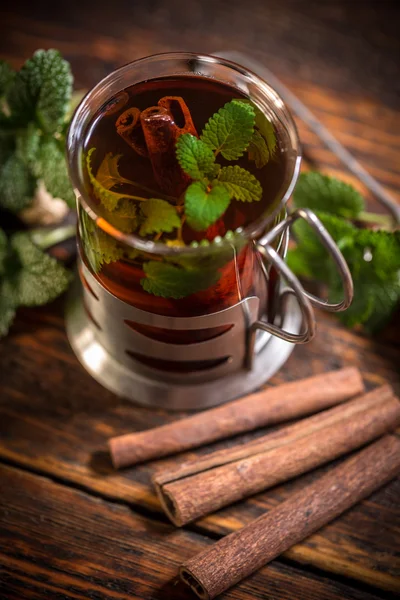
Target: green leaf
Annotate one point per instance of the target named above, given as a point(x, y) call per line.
point(38, 278)
point(203, 205)
point(6, 77)
point(374, 262)
point(7, 147)
point(124, 216)
point(108, 174)
point(41, 91)
point(27, 144)
point(108, 198)
point(217, 256)
point(376, 291)
point(384, 300)
point(159, 216)
point(328, 194)
point(170, 281)
point(7, 309)
point(3, 251)
point(50, 165)
point(263, 143)
point(17, 185)
point(229, 131)
point(310, 256)
point(259, 151)
point(384, 248)
point(241, 184)
point(195, 157)
point(98, 246)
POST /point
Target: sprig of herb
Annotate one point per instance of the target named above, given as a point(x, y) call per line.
point(34, 108)
point(172, 281)
point(231, 132)
point(29, 276)
point(372, 255)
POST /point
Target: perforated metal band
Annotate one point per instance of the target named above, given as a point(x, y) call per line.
point(113, 322)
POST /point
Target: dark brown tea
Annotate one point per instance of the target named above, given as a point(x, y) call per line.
point(184, 161)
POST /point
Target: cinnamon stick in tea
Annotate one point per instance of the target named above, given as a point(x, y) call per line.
point(208, 484)
point(270, 406)
point(129, 127)
point(239, 554)
point(162, 125)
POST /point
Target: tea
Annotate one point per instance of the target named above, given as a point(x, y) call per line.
point(185, 161)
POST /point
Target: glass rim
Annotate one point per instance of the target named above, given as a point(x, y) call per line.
point(248, 233)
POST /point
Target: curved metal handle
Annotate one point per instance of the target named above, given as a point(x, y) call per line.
point(329, 244)
point(271, 255)
point(305, 299)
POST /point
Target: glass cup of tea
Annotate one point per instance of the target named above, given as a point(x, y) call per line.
point(183, 165)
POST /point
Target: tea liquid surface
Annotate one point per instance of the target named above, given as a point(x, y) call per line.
point(122, 270)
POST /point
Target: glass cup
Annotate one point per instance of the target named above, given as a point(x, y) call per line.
point(167, 335)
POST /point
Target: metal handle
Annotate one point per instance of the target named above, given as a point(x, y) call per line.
point(305, 299)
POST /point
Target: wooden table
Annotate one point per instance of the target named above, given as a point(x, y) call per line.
point(71, 527)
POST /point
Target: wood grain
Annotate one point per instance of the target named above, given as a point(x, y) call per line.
point(204, 488)
point(62, 543)
point(239, 554)
point(56, 420)
point(342, 62)
point(268, 407)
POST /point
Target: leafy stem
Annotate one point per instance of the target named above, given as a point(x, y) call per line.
point(385, 221)
point(45, 238)
point(373, 255)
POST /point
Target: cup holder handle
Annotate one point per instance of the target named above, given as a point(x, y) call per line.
point(306, 301)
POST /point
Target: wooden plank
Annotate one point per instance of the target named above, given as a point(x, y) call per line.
point(55, 419)
point(332, 44)
point(101, 550)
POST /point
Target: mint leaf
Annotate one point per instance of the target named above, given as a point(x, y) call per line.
point(37, 277)
point(241, 184)
point(230, 129)
point(384, 300)
point(7, 310)
point(108, 198)
point(6, 77)
point(41, 91)
point(159, 216)
point(384, 248)
point(204, 205)
point(195, 157)
point(258, 151)
point(373, 258)
point(108, 174)
point(124, 216)
point(27, 144)
point(17, 185)
point(7, 147)
point(50, 165)
point(169, 281)
point(376, 290)
point(263, 143)
point(310, 257)
point(3, 251)
point(217, 256)
point(98, 246)
point(328, 194)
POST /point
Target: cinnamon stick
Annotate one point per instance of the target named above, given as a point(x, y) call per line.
point(194, 491)
point(162, 126)
point(268, 407)
point(129, 127)
point(179, 110)
point(241, 553)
